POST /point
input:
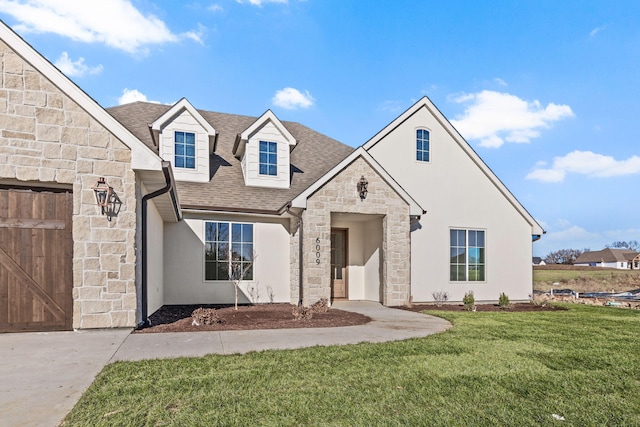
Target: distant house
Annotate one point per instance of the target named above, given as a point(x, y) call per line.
point(538, 261)
point(610, 258)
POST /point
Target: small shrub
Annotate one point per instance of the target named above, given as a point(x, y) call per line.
point(205, 316)
point(503, 301)
point(301, 312)
point(440, 297)
point(469, 301)
point(254, 293)
point(320, 306)
point(540, 300)
point(271, 294)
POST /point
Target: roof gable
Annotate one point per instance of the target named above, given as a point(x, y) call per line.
point(425, 103)
point(301, 200)
point(142, 158)
point(173, 112)
point(260, 122)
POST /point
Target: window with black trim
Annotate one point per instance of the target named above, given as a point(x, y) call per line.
point(228, 247)
point(467, 255)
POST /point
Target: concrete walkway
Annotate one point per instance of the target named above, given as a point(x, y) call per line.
point(42, 375)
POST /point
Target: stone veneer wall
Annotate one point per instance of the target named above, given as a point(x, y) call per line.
point(340, 195)
point(47, 138)
point(294, 271)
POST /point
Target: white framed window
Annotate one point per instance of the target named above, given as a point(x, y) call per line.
point(184, 150)
point(467, 255)
point(268, 158)
point(423, 145)
point(228, 246)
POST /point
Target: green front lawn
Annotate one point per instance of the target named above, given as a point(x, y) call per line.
point(508, 369)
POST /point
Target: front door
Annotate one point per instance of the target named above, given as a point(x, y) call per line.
point(338, 263)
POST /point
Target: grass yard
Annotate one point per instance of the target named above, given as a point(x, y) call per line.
point(508, 369)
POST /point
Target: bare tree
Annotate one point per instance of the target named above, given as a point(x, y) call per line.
point(239, 269)
point(564, 256)
point(632, 245)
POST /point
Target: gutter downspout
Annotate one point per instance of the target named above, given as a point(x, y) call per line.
point(166, 170)
point(300, 241)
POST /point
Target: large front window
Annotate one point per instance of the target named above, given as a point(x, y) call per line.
point(228, 249)
point(185, 150)
point(467, 256)
point(268, 158)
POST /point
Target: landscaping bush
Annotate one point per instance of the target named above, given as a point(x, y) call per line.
point(301, 312)
point(320, 306)
point(440, 297)
point(205, 316)
point(469, 301)
point(503, 301)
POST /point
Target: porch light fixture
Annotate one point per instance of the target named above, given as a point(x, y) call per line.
point(107, 199)
point(362, 187)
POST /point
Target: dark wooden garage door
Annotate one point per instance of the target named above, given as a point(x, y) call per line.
point(36, 250)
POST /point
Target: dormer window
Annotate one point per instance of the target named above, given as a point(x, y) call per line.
point(264, 150)
point(268, 158)
point(186, 139)
point(185, 150)
point(422, 145)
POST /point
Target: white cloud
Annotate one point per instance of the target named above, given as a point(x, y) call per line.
point(215, 8)
point(495, 117)
point(570, 236)
point(261, 2)
point(597, 30)
point(116, 23)
point(585, 163)
point(133, 95)
point(292, 99)
point(546, 175)
point(500, 81)
point(75, 68)
point(391, 106)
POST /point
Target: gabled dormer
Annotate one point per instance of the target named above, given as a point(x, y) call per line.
point(264, 151)
point(185, 139)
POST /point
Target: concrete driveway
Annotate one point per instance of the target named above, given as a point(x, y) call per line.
point(42, 375)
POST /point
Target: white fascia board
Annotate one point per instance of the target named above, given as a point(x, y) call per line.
point(425, 102)
point(268, 116)
point(300, 201)
point(142, 157)
point(178, 108)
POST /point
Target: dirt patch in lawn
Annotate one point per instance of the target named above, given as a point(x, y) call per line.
point(177, 318)
point(517, 307)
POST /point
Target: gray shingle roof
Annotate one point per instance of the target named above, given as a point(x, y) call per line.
point(314, 155)
point(607, 255)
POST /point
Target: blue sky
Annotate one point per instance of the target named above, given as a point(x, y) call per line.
point(547, 92)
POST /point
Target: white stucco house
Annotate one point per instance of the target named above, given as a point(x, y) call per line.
point(196, 193)
point(622, 259)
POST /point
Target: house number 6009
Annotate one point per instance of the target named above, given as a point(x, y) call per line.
point(318, 250)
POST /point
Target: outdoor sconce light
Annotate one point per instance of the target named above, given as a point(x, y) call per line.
point(362, 187)
point(107, 199)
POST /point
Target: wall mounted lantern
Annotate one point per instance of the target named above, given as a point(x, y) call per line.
point(362, 187)
point(107, 199)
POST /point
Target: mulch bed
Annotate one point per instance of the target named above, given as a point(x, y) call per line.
point(177, 318)
point(517, 307)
